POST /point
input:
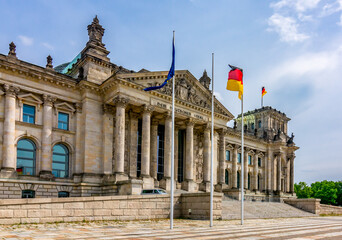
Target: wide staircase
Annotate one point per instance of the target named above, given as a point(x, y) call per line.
point(231, 209)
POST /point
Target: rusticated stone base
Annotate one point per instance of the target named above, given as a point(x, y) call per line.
point(165, 183)
point(205, 187)
point(189, 186)
point(130, 187)
point(8, 173)
point(148, 183)
point(46, 175)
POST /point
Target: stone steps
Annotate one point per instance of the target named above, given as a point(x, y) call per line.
point(232, 210)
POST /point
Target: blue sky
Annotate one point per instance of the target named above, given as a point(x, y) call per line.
point(292, 47)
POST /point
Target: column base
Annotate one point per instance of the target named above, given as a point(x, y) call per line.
point(46, 175)
point(165, 183)
point(8, 173)
point(219, 187)
point(130, 187)
point(204, 186)
point(120, 177)
point(148, 182)
point(189, 185)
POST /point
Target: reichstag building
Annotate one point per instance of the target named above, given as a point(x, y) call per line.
point(87, 128)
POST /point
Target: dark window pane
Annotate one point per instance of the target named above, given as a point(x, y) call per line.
point(63, 194)
point(60, 161)
point(29, 113)
point(26, 157)
point(28, 194)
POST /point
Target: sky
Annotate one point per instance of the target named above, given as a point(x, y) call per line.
point(292, 47)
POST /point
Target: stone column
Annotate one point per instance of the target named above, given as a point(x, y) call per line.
point(8, 168)
point(154, 149)
point(176, 153)
point(292, 174)
point(268, 170)
point(166, 181)
point(279, 172)
point(222, 157)
point(119, 144)
point(234, 167)
point(46, 159)
point(205, 186)
point(133, 145)
point(255, 177)
point(146, 147)
point(245, 158)
point(189, 184)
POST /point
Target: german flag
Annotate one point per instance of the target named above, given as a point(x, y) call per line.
point(235, 82)
point(263, 91)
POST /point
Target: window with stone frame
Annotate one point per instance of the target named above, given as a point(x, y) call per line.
point(139, 140)
point(239, 158)
point(63, 121)
point(28, 194)
point(226, 177)
point(259, 124)
point(29, 113)
point(259, 161)
point(60, 161)
point(26, 157)
point(249, 181)
point(63, 194)
point(160, 152)
point(238, 179)
point(227, 155)
point(249, 160)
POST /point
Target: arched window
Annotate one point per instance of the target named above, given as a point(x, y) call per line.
point(238, 179)
point(60, 161)
point(26, 157)
point(226, 177)
point(259, 124)
point(252, 126)
point(249, 181)
point(259, 183)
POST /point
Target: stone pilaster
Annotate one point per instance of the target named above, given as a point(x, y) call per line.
point(79, 163)
point(8, 168)
point(189, 183)
point(119, 144)
point(234, 167)
point(133, 144)
point(107, 139)
point(270, 163)
point(146, 147)
point(255, 173)
point(205, 186)
point(46, 159)
point(154, 149)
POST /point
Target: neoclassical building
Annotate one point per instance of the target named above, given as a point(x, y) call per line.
point(87, 128)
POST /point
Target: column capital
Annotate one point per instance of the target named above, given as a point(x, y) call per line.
point(11, 90)
point(168, 115)
point(108, 109)
point(49, 100)
point(190, 122)
point(155, 122)
point(147, 109)
point(78, 107)
point(121, 101)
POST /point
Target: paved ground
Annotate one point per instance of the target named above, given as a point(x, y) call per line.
point(286, 228)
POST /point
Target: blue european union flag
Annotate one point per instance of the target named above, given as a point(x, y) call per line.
point(171, 72)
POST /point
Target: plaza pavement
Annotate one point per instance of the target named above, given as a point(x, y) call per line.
point(326, 228)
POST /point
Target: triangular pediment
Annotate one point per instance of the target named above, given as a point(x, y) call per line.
point(65, 106)
point(187, 88)
point(229, 146)
point(31, 98)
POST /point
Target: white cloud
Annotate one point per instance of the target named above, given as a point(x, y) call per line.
point(27, 41)
point(287, 28)
point(331, 8)
point(48, 46)
point(297, 5)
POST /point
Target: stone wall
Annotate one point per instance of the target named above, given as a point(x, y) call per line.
point(328, 209)
point(310, 204)
point(131, 207)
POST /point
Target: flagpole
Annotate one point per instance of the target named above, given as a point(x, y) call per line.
point(172, 145)
point(242, 159)
point(212, 143)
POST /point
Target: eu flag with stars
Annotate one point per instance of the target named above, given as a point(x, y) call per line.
point(171, 72)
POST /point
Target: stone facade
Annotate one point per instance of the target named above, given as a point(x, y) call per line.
point(93, 131)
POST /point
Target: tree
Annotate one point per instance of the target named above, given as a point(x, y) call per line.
point(302, 190)
point(339, 192)
point(326, 191)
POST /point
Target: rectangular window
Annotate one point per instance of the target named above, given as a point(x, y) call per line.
point(227, 155)
point(259, 162)
point(29, 113)
point(63, 121)
point(249, 160)
point(160, 152)
point(239, 158)
point(181, 147)
point(139, 137)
